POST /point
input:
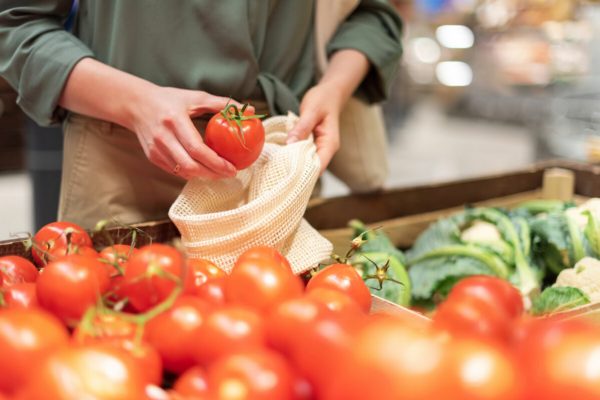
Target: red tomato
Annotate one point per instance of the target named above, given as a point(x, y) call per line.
point(86, 372)
point(151, 275)
point(344, 278)
point(176, 332)
point(69, 286)
point(286, 320)
point(60, 251)
point(145, 355)
point(302, 389)
point(561, 360)
point(20, 295)
point(472, 317)
point(212, 291)
point(317, 348)
point(228, 330)
point(199, 272)
point(388, 361)
point(118, 254)
point(237, 137)
point(57, 234)
point(15, 269)
point(494, 291)
point(334, 300)
point(253, 375)
point(480, 371)
point(262, 278)
point(192, 383)
point(103, 327)
point(26, 336)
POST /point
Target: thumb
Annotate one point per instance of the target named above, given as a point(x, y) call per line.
point(303, 127)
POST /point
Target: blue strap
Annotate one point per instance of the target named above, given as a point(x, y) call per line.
point(71, 18)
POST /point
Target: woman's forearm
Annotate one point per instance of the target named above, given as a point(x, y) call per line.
point(100, 91)
point(345, 71)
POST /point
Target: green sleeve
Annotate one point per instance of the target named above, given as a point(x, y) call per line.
point(37, 54)
point(375, 29)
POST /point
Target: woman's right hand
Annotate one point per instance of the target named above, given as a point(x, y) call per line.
point(170, 140)
point(160, 116)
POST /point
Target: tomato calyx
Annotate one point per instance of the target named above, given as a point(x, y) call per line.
point(381, 274)
point(233, 115)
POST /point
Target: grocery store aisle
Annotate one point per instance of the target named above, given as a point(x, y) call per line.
point(430, 146)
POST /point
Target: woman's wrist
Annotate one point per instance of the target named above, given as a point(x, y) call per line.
point(346, 70)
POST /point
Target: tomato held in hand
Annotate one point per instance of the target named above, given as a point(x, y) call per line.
point(70, 285)
point(262, 278)
point(15, 269)
point(236, 135)
point(496, 292)
point(57, 234)
point(26, 336)
point(151, 275)
point(343, 277)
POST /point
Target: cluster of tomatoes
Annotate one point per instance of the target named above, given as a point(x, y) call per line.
point(147, 323)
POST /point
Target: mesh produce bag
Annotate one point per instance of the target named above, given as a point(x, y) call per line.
point(263, 205)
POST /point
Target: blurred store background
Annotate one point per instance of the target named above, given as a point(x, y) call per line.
point(485, 86)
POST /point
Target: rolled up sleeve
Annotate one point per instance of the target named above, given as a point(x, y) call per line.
point(374, 29)
point(37, 54)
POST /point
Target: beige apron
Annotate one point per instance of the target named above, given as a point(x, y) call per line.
point(106, 174)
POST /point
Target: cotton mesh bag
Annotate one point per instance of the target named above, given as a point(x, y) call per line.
point(263, 205)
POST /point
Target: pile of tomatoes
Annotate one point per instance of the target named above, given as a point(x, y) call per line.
point(147, 323)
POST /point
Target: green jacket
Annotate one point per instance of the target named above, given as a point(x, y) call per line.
point(246, 49)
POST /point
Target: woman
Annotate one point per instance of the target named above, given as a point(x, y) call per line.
point(135, 74)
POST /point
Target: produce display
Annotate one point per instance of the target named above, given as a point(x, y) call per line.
point(549, 250)
point(147, 323)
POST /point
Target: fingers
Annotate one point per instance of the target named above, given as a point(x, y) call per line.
point(201, 103)
point(327, 140)
point(192, 142)
point(306, 124)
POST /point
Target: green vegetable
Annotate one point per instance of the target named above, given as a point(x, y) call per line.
point(528, 282)
point(557, 299)
point(493, 262)
point(381, 264)
point(431, 277)
point(592, 232)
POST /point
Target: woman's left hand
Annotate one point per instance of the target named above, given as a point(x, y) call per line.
point(320, 114)
point(321, 106)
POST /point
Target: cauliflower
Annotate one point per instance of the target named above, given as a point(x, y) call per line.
point(585, 276)
point(481, 232)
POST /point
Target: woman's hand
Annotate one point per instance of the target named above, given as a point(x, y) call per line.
point(169, 138)
point(319, 114)
point(321, 105)
point(160, 116)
